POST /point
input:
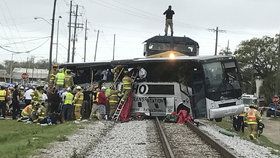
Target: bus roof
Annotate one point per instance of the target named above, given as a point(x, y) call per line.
point(142, 60)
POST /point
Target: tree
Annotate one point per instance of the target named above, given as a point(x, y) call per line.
point(259, 57)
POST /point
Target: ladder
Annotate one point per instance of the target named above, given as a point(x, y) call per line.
point(120, 106)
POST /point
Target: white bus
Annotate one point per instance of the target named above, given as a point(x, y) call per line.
point(209, 87)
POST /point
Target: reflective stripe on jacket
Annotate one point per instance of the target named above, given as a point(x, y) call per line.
point(60, 78)
point(251, 117)
point(68, 98)
point(127, 82)
point(113, 98)
point(2, 95)
point(68, 81)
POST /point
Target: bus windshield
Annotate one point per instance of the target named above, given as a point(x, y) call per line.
point(222, 80)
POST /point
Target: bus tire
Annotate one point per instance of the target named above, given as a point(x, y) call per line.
point(218, 119)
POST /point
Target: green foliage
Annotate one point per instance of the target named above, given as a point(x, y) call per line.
point(21, 140)
point(259, 57)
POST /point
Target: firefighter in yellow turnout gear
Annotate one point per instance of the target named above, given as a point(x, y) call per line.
point(253, 116)
point(113, 100)
point(127, 86)
point(68, 79)
point(53, 74)
point(78, 102)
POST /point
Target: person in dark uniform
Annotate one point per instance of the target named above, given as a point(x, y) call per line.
point(15, 102)
point(168, 21)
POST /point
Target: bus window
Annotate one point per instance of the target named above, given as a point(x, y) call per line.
point(213, 75)
point(159, 46)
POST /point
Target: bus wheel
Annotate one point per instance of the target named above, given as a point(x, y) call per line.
point(218, 119)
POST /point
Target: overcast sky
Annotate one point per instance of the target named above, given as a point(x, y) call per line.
point(133, 21)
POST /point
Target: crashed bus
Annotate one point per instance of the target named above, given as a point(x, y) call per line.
point(209, 87)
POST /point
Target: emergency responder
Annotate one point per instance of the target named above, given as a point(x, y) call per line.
point(37, 94)
point(15, 102)
point(27, 95)
point(59, 79)
point(253, 117)
point(101, 103)
point(95, 90)
point(113, 100)
point(3, 96)
point(78, 102)
point(21, 93)
point(68, 81)
point(67, 109)
point(127, 85)
point(26, 112)
point(53, 74)
point(117, 72)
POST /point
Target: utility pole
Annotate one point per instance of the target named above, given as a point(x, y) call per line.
point(96, 44)
point(57, 33)
point(69, 37)
point(216, 31)
point(74, 39)
point(114, 46)
point(227, 47)
point(278, 53)
point(51, 42)
point(85, 47)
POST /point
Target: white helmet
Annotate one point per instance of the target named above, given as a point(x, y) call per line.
point(103, 88)
point(68, 89)
point(79, 87)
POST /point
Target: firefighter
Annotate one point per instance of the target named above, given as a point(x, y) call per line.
point(68, 81)
point(53, 74)
point(37, 94)
point(253, 117)
point(113, 100)
point(117, 72)
point(127, 85)
point(3, 96)
point(59, 79)
point(78, 102)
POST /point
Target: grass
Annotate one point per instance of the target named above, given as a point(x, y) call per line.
point(262, 140)
point(21, 140)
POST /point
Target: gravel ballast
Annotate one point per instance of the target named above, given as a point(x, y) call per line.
point(240, 146)
point(79, 143)
point(125, 140)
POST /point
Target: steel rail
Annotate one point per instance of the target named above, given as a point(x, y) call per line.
point(165, 144)
point(214, 144)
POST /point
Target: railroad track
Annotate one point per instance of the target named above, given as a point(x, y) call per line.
point(188, 141)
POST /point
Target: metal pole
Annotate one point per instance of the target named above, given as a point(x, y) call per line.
point(114, 46)
point(51, 42)
point(85, 47)
point(57, 32)
point(74, 40)
point(96, 44)
point(11, 67)
point(69, 38)
point(216, 44)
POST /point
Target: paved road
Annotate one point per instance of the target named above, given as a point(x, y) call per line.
point(272, 129)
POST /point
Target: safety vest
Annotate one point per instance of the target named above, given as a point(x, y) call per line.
point(68, 98)
point(60, 78)
point(2, 95)
point(251, 117)
point(79, 98)
point(67, 80)
point(113, 98)
point(126, 83)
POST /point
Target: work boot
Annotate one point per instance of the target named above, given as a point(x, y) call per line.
point(251, 136)
point(171, 33)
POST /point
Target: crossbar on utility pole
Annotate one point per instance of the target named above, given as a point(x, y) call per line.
point(216, 31)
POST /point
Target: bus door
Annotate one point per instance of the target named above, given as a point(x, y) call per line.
point(198, 99)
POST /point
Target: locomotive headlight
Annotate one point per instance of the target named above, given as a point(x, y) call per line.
point(171, 56)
